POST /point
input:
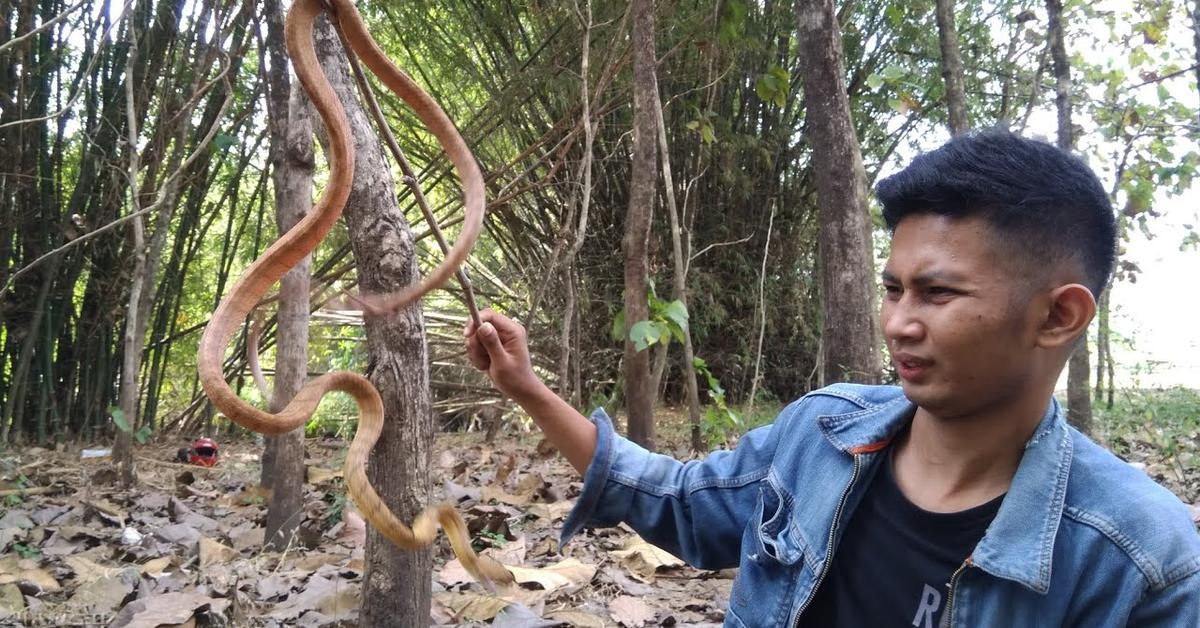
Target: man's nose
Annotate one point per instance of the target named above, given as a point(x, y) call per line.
point(900, 321)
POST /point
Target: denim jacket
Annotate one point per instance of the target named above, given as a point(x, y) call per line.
point(1081, 539)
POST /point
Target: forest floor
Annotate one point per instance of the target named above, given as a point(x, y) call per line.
point(185, 547)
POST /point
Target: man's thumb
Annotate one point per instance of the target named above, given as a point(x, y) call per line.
point(490, 339)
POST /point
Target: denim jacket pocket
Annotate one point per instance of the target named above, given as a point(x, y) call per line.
point(777, 538)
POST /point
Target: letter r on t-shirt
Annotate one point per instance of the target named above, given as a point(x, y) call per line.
point(931, 599)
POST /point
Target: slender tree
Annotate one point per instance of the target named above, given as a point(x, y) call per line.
point(639, 396)
point(1196, 39)
point(679, 278)
point(396, 584)
point(1079, 399)
point(290, 125)
point(952, 68)
point(849, 330)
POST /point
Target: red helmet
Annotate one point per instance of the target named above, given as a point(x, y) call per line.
point(203, 452)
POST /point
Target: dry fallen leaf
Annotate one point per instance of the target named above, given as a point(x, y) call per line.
point(631, 611)
point(565, 573)
point(11, 600)
point(578, 618)
point(86, 570)
point(214, 553)
point(471, 606)
point(156, 567)
point(354, 529)
point(168, 609)
point(320, 475)
point(14, 570)
point(495, 493)
point(552, 511)
point(643, 559)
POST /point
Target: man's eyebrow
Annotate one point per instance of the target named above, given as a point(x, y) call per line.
point(926, 278)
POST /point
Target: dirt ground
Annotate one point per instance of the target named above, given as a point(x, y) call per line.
point(185, 547)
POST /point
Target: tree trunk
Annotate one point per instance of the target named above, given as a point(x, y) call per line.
point(638, 394)
point(292, 174)
point(849, 328)
point(952, 68)
point(1196, 38)
point(1079, 399)
point(396, 584)
point(679, 282)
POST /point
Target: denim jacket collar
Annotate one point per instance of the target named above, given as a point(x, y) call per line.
point(1019, 543)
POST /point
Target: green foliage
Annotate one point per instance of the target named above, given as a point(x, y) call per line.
point(667, 320)
point(27, 551)
point(773, 86)
point(142, 434)
point(335, 509)
point(720, 422)
point(488, 538)
point(1167, 420)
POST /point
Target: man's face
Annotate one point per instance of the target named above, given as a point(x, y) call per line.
point(955, 316)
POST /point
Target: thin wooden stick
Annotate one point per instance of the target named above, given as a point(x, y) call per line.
point(410, 177)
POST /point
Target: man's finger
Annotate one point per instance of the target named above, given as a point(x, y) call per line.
point(490, 339)
point(477, 355)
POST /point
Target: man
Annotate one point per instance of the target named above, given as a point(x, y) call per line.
point(960, 498)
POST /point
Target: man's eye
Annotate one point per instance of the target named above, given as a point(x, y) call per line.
point(892, 290)
point(940, 291)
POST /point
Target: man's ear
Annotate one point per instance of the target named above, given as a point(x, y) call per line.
point(1072, 307)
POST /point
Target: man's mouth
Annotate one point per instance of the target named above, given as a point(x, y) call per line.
point(910, 367)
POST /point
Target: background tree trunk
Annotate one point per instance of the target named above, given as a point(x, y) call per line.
point(639, 395)
point(1196, 39)
point(679, 277)
point(1079, 398)
point(849, 332)
point(396, 584)
point(952, 68)
point(292, 173)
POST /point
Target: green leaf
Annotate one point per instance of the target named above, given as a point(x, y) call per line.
point(221, 141)
point(118, 417)
point(707, 134)
point(143, 434)
point(894, 73)
point(677, 312)
point(618, 327)
point(643, 334)
point(874, 81)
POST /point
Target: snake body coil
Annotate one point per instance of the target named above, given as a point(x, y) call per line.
point(303, 238)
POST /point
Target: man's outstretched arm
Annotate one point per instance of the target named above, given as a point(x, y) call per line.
point(500, 348)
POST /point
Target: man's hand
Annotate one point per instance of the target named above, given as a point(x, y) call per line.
point(500, 348)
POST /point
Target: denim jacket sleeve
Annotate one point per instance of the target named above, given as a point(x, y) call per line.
point(1175, 606)
point(697, 510)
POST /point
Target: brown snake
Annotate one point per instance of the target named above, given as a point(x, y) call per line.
point(303, 238)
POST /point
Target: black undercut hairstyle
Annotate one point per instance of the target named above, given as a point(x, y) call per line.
point(1042, 201)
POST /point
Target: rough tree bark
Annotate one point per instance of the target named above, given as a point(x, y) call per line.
point(290, 122)
point(1079, 398)
point(396, 584)
point(1196, 38)
point(952, 68)
point(638, 394)
point(849, 328)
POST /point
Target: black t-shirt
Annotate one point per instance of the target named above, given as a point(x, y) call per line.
point(894, 560)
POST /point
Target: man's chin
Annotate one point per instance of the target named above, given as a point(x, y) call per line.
point(926, 397)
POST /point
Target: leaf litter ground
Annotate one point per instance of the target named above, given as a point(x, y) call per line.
point(185, 547)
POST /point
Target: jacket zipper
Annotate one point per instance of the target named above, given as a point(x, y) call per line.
point(948, 612)
point(837, 517)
